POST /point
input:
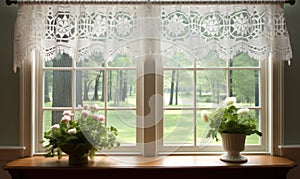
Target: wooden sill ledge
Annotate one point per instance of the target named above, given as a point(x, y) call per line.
point(258, 166)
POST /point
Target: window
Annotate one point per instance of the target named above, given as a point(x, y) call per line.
point(152, 70)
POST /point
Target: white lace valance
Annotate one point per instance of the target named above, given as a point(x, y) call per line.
point(80, 30)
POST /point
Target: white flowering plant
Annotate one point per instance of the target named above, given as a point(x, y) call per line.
point(80, 134)
point(230, 119)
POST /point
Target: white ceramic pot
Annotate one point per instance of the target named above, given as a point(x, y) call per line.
point(233, 144)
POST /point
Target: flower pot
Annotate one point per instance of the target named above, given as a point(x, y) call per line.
point(233, 144)
point(77, 156)
point(78, 160)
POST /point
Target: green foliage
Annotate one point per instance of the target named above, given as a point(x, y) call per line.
point(231, 120)
point(82, 134)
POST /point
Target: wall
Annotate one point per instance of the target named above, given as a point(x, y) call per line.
point(9, 90)
point(292, 92)
point(9, 81)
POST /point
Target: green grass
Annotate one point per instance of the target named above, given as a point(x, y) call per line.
point(178, 125)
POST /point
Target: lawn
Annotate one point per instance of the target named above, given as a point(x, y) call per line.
point(178, 124)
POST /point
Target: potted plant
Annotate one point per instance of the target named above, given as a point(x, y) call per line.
point(234, 124)
point(80, 135)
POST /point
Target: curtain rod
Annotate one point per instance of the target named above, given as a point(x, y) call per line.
point(10, 2)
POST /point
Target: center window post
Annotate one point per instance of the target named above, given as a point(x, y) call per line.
point(153, 108)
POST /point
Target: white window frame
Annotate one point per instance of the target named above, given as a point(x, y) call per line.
point(274, 128)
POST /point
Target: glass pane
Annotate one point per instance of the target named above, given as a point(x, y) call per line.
point(122, 61)
point(245, 87)
point(243, 60)
point(121, 88)
point(178, 88)
point(61, 60)
point(178, 127)
point(90, 87)
point(211, 88)
point(94, 60)
point(51, 118)
point(178, 60)
point(125, 122)
point(211, 60)
point(255, 139)
point(202, 131)
point(57, 88)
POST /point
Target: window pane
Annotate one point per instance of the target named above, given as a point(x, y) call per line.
point(122, 61)
point(211, 60)
point(211, 87)
point(243, 60)
point(121, 88)
point(202, 131)
point(61, 60)
point(245, 87)
point(255, 139)
point(57, 88)
point(178, 127)
point(178, 88)
point(94, 60)
point(90, 87)
point(178, 60)
point(51, 117)
point(125, 122)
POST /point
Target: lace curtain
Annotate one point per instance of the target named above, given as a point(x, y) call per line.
point(135, 30)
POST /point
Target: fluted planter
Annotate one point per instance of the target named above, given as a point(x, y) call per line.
point(77, 156)
point(233, 144)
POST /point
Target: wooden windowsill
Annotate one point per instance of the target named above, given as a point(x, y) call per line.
point(137, 166)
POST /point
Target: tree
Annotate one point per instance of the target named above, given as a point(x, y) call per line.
point(62, 85)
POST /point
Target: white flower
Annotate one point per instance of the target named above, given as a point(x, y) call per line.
point(230, 100)
point(72, 131)
point(68, 113)
point(204, 115)
point(55, 126)
point(243, 111)
point(66, 118)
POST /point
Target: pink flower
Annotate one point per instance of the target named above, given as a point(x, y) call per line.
point(68, 113)
point(86, 106)
point(85, 113)
point(79, 107)
point(100, 118)
point(66, 118)
point(96, 107)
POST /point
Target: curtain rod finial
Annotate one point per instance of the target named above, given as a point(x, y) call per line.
point(292, 2)
point(10, 2)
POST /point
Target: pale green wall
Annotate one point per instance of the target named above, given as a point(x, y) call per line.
point(292, 78)
point(9, 81)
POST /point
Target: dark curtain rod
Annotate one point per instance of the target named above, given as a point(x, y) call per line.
point(10, 2)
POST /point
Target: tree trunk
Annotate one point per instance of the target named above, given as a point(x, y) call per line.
point(62, 86)
point(79, 86)
point(176, 88)
point(96, 96)
point(124, 90)
point(172, 88)
point(46, 90)
point(109, 98)
point(103, 83)
point(116, 99)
